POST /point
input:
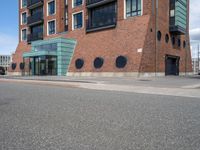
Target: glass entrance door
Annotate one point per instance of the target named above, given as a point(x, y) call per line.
point(43, 70)
point(45, 65)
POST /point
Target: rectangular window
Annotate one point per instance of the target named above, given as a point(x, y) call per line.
point(51, 8)
point(51, 27)
point(133, 8)
point(78, 20)
point(24, 35)
point(24, 3)
point(77, 3)
point(24, 18)
point(103, 15)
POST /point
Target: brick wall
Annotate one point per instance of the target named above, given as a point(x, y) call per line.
point(129, 35)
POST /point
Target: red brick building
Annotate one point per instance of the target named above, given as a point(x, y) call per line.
point(103, 37)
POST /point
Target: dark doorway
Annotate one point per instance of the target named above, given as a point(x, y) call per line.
point(172, 65)
point(44, 65)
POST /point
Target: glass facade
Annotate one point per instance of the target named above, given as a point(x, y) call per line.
point(44, 65)
point(49, 56)
point(49, 47)
point(178, 16)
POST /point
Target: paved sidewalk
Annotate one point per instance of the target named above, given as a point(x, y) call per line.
point(171, 86)
point(169, 81)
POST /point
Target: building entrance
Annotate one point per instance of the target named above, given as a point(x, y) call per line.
point(172, 65)
point(44, 65)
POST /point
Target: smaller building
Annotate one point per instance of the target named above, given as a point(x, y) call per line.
point(196, 65)
point(5, 61)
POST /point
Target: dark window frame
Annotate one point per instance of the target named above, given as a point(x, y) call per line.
point(103, 15)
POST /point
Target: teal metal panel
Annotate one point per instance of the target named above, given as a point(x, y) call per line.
point(181, 13)
point(64, 52)
point(39, 53)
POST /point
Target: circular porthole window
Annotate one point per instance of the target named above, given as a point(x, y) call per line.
point(166, 38)
point(79, 63)
point(184, 44)
point(13, 66)
point(98, 62)
point(159, 35)
point(179, 42)
point(22, 65)
point(121, 61)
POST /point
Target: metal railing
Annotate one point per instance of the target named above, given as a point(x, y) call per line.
point(38, 17)
point(100, 24)
point(91, 2)
point(35, 37)
point(33, 2)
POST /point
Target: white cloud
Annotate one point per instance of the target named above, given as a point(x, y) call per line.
point(195, 34)
point(8, 43)
point(194, 14)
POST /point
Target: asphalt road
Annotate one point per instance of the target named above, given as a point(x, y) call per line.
point(48, 117)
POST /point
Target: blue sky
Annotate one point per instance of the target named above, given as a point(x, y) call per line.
point(9, 24)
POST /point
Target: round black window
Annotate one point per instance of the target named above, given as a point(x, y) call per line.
point(79, 63)
point(159, 35)
point(22, 65)
point(14, 65)
point(121, 61)
point(184, 44)
point(173, 40)
point(98, 62)
point(179, 42)
point(166, 38)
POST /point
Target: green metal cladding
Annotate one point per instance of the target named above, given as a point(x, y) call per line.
point(178, 22)
point(63, 49)
point(181, 13)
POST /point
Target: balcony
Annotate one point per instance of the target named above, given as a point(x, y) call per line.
point(178, 16)
point(35, 19)
point(95, 3)
point(177, 28)
point(35, 37)
point(34, 3)
point(110, 22)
